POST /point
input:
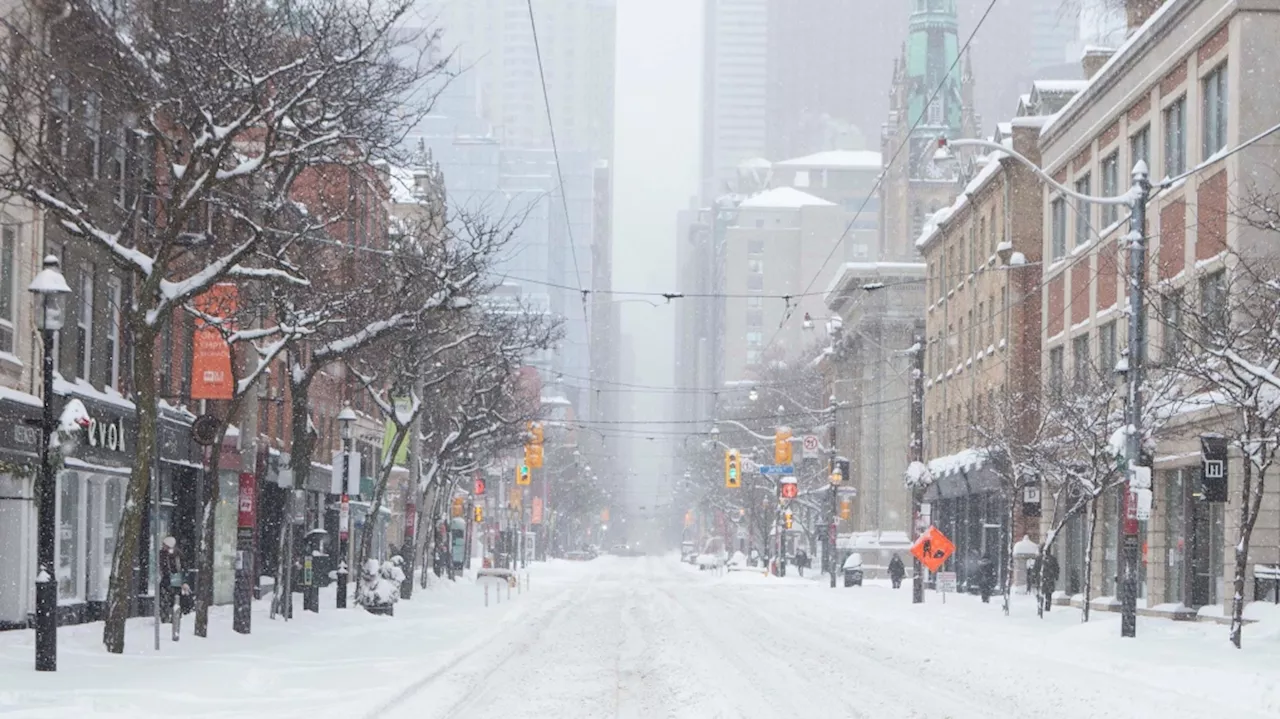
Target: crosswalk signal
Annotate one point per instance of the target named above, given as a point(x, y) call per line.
point(782, 446)
point(522, 475)
point(732, 469)
point(786, 516)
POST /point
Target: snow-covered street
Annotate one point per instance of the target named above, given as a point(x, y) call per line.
point(648, 637)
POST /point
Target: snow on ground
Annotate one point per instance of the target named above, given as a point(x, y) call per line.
point(648, 637)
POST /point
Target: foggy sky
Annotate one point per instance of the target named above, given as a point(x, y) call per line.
point(657, 119)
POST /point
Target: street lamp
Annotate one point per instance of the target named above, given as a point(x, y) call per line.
point(346, 423)
point(50, 288)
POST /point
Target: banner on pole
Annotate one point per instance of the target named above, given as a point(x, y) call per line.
point(211, 376)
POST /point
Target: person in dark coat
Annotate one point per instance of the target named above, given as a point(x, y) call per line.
point(1048, 573)
point(986, 577)
point(896, 571)
point(172, 583)
point(802, 560)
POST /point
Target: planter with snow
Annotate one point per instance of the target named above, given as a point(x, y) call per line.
point(379, 587)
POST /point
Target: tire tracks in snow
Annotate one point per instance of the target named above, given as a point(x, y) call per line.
point(529, 634)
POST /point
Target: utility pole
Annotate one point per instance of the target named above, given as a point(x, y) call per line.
point(1137, 347)
point(832, 471)
point(246, 560)
point(917, 455)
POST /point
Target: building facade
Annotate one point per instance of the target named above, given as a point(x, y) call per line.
point(1178, 95)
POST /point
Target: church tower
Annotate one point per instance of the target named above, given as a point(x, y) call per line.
point(932, 95)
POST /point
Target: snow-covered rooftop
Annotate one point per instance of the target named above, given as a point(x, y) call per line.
point(402, 185)
point(1059, 86)
point(783, 198)
point(862, 159)
point(870, 270)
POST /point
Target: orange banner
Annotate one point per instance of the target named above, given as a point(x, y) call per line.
point(535, 516)
point(211, 356)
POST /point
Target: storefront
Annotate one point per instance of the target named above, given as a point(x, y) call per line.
point(968, 505)
point(19, 461)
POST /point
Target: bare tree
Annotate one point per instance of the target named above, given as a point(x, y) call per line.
point(236, 102)
point(1230, 368)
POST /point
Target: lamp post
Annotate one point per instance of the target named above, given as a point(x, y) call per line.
point(1136, 200)
point(50, 287)
point(346, 422)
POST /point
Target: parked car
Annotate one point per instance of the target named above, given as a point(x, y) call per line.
point(853, 570)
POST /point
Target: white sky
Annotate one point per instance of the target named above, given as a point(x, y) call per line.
point(656, 148)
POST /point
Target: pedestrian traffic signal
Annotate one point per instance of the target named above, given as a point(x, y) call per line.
point(732, 469)
point(786, 517)
point(782, 446)
point(479, 514)
point(790, 490)
point(479, 491)
point(522, 475)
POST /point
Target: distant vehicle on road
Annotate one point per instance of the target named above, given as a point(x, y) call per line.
point(713, 554)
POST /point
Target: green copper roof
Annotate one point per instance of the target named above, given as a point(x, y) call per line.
point(932, 49)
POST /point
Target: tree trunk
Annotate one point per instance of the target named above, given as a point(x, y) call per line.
point(300, 463)
point(1088, 557)
point(1009, 563)
point(366, 537)
point(121, 588)
point(1250, 505)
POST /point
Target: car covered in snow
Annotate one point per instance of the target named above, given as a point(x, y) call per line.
point(713, 555)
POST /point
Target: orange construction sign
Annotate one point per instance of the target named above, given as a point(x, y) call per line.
point(211, 355)
point(932, 548)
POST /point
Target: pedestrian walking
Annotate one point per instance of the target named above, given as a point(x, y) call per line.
point(1048, 573)
point(896, 571)
point(802, 561)
point(172, 585)
point(986, 577)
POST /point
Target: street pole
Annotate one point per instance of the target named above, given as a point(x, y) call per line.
point(1137, 346)
point(246, 517)
point(833, 526)
point(917, 455)
point(344, 523)
point(46, 584)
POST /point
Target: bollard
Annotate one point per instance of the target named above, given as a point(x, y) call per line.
point(486, 594)
point(499, 593)
point(508, 591)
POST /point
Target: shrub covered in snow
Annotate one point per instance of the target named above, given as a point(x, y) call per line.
point(380, 584)
point(918, 476)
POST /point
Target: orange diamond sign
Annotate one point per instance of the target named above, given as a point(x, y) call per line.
point(932, 548)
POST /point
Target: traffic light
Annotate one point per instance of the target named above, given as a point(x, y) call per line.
point(522, 475)
point(786, 517)
point(533, 456)
point(782, 446)
point(458, 505)
point(479, 490)
point(845, 509)
point(535, 433)
point(479, 514)
point(732, 469)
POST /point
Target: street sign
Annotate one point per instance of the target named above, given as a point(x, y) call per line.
point(947, 582)
point(810, 446)
point(1213, 468)
point(932, 548)
point(777, 469)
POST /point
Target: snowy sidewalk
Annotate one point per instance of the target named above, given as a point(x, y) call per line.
point(337, 663)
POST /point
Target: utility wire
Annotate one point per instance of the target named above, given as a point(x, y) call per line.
point(555, 151)
point(880, 179)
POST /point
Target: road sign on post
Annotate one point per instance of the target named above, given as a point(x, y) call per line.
point(810, 446)
point(777, 469)
point(932, 548)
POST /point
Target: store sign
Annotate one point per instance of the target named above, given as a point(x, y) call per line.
point(107, 434)
point(247, 500)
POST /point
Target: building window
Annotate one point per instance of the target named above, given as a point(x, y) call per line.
point(755, 318)
point(935, 113)
point(70, 535)
point(117, 170)
point(1175, 140)
point(1081, 360)
point(115, 296)
point(755, 283)
point(1213, 304)
point(1057, 370)
point(93, 132)
point(1171, 311)
point(753, 358)
point(56, 124)
point(8, 281)
point(1110, 187)
point(755, 302)
point(755, 267)
point(755, 247)
point(1107, 348)
point(84, 323)
point(1215, 110)
point(991, 234)
point(1084, 212)
point(755, 339)
point(1058, 218)
point(1140, 147)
